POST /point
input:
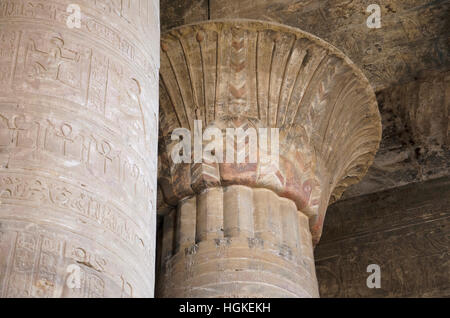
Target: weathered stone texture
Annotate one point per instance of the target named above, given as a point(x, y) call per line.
point(404, 230)
point(410, 53)
point(253, 74)
point(231, 74)
point(175, 13)
point(414, 36)
point(78, 142)
point(237, 242)
point(416, 135)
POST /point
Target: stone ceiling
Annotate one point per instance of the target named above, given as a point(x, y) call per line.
point(407, 62)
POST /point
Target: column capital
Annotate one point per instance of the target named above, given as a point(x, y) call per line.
point(246, 73)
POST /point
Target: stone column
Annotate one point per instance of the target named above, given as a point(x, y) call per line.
point(238, 241)
point(78, 127)
point(248, 229)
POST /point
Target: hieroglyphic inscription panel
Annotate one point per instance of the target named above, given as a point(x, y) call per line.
point(78, 142)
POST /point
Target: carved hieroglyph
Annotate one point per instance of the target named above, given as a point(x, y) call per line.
point(78, 143)
point(243, 73)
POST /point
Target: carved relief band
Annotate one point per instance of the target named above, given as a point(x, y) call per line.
point(78, 147)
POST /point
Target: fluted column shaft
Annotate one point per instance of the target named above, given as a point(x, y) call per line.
point(78, 143)
point(237, 242)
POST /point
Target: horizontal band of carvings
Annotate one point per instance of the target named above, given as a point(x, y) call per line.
point(134, 13)
point(20, 115)
point(119, 36)
point(30, 138)
point(244, 73)
point(23, 118)
point(55, 65)
point(34, 260)
point(18, 189)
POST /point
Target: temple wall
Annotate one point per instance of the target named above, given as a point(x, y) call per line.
point(403, 230)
